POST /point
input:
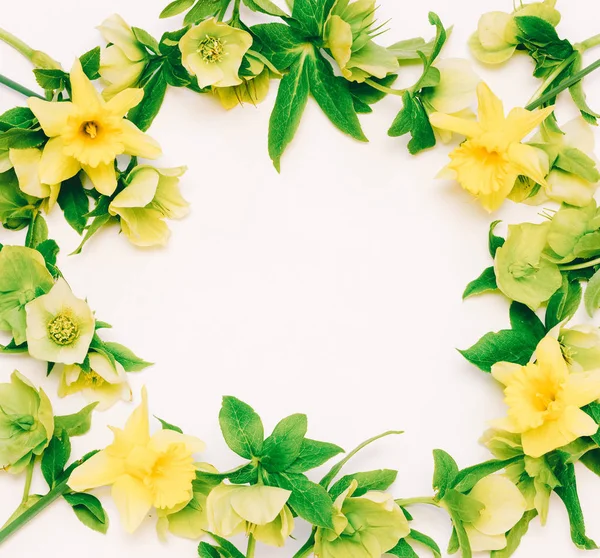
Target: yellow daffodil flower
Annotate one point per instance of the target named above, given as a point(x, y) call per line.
point(544, 400)
point(89, 133)
point(105, 382)
point(493, 157)
point(124, 60)
point(504, 505)
point(60, 326)
point(144, 471)
point(213, 52)
point(260, 510)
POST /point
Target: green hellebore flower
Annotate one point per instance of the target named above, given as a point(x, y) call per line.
point(568, 236)
point(23, 276)
point(496, 38)
point(254, 88)
point(124, 60)
point(258, 509)
point(26, 423)
point(581, 347)
point(60, 326)
point(150, 196)
point(367, 526)
point(347, 35)
point(522, 271)
point(213, 52)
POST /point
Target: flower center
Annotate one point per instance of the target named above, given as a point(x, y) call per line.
point(211, 49)
point(90, 129)
point(63, 330)
point(91, 379)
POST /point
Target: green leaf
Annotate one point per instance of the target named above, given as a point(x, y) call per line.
point(205, 550)
point(283, 446)
point(363, 95)
point(265, 7)
point(311, 15)
point(444, 472)
point(287, 112)
point(143, 114)
point(403, 550)
point(514, 536)
point(413, 119)
point(18, 138)
point(166, 426)
point(494, 241)
point(89, 511)
point(308, 499)
point(567, 492)
point(51, 80)
point(313, 454)
point(201, 10)
point(125, 357)
point(90, 62)
point(505, 345)
point(333, 96)
point(525, 321)
point(578, 94)
point(484, 283)
point(575, 161)
point(227, 549)
point(76, 424)
point(242, 428)
point(592, 461)
point(55, 457)
point(37, 232)
point(74, 202)
point(18, 117)
point(282, 44)
point(537, 30)
point(146, 39)
point(175, 8)
point(593, 410)
point(381, 480)
point(591, 297)
point(423, 539)
point(467, 478)
point(93, 228)
point(49, 250)
point(563, 304)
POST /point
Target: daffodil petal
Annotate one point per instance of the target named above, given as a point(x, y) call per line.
point(468, 128)
point(491, 110)
point(55, 166)
point(138, 426)
point(521, 122)
point(84, 93)
point(133, 500)
point(103, 177)
point(125, 100)
point(162, 439)
point(101, 469)
point(582, 388)
point(26, 163)
point(138, 143)
point(51, 114)
point(530, 161)
point(503, 371)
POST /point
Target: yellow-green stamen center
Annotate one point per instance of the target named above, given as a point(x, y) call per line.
point(90, 129)
point(211, 49)
point(63, 330)
point(91, 379)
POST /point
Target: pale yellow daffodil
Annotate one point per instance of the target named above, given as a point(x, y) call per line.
point(493, 157)
point(258, 510)
point(544, 400)
point(504, 505)
point(144, 471)
point(104, 382)
point(89, 133)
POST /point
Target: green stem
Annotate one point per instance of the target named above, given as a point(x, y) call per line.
point(307, 547)
point(583, 265)
point(18, 87)
point(420, 500)
point(588, 43)
point(28, 478)
point(564, 85)
point(251, 546)
point(326, 480)
point(16, 43)
point(34, 510)
point(385, 89)
point(550, 79)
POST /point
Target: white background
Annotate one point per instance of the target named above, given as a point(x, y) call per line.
point(332, 289)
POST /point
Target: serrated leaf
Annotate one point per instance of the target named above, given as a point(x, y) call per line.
point(167, 426)
point(74, 203)
point(381, 480)
point(145, 112)
point(281, 44)
point(89, 511)
point(467, 478)
point(444, 472)
point(427, 541)
point(78, 423)
point(203, 9)
point(175, 8)
point(311, 15)
point(484, 283)
point(146, 39)
point(55, 457)
point(283, 446)
point(413, 119)
point(242, 428)
point(90, 62)
point(563, 303)
point(265, 7)
point(514, 536)
point(125, 357)
point(313, 454)
point(494, 241)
